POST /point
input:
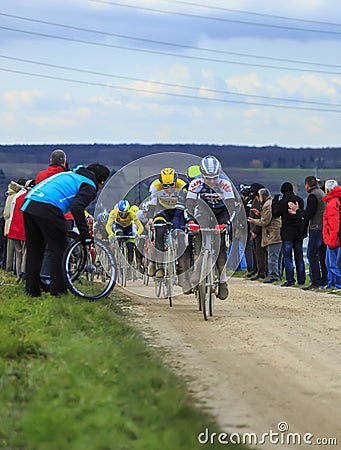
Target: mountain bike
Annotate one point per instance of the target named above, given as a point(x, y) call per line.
point(89, 269)
point(166, 284)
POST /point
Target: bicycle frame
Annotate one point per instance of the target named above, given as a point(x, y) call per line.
point(167, 283)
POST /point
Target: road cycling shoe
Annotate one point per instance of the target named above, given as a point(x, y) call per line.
point(151, 269)
point(223, 291)
point(160, 273)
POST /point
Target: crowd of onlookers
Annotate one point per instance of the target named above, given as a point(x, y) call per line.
point(278, 225)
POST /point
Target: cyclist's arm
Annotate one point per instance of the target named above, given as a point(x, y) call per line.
point(111, 220)
point(139, 225)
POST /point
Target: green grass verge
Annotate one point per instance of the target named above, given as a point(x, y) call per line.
point(75, 376)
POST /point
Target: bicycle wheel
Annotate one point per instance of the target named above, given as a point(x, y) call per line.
point(210, 293)
point(158, 285)
point(203, 285)
point(77, 274)
point(170, 274)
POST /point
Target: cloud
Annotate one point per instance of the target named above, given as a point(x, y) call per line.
point(19, 98)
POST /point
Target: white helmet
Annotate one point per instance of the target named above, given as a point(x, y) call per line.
point(210, 166)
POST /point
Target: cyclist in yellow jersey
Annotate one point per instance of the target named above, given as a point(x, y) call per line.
point(165, 192)
point(120, 223)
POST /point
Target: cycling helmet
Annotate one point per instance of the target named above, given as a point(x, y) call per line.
point(192, 172)
point(103, 217)
point(210, 166)
point(168, 176)
point(123, 206)
point(134, 209)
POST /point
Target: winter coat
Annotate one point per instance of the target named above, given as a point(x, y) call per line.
point(292, 226)
point(331, 218)
point(51, 170)
point(256, 204)
point(271, 227)
point(63, 192)
point(16, 228)
point(13, 189)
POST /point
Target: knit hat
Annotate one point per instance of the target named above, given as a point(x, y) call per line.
point(286, 187)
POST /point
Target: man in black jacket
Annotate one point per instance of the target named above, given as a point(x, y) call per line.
point(313, 218)
point(292, 234)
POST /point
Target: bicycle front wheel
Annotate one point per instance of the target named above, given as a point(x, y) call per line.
point(96, 278)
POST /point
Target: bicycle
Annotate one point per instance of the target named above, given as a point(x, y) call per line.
point(166, 284)
point(120, 250)
point(89, 269)
point(207, 287)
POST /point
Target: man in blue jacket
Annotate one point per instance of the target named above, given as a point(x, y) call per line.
point(45, 224)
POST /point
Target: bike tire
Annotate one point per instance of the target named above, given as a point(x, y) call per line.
point(78, 281)
point(158, 285)
point(170, 277)
point(203, 286)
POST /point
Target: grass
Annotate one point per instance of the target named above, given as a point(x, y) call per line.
point(75, 376)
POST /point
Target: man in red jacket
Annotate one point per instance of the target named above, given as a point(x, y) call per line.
point(330, 232)
point(57, 164)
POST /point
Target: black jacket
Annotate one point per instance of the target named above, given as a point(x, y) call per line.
point(292, 227)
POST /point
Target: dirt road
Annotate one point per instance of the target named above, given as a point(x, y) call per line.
point(268, 355)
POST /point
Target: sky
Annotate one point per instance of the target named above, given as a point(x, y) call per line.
point(239, 72)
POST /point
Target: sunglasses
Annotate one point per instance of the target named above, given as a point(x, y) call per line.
point(213, 177)
point(165, 186)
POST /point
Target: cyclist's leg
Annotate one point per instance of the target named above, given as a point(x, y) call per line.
point(197, 243)
point(128, 232)
point(222, 217)
point(183, 261)
point(161, 218)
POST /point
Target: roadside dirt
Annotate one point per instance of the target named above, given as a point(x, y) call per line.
point(268, 355)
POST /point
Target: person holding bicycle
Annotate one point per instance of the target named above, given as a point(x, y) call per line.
point(211, 198)
point(44, 208)
point(120, 224)
point(165, 192)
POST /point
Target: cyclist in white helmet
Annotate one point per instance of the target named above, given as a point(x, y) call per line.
point(213, 189)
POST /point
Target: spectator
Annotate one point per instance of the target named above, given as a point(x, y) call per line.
point(57, 164)
point(250, 255)
point(16, 231)
point(13, 188)
point(330, 232)
point(3, 243)
point(256, 234)
point(291, 234)
point(271, 238)
point(313, 219)
point(45, 224)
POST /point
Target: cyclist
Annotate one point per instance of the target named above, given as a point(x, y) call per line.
point(216, 191)
point(165, 192)
point(181, 217)
point(99, 225)
point(120, 223)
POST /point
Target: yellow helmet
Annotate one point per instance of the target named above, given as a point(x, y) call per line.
point(134, 208)
point(168, 176)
